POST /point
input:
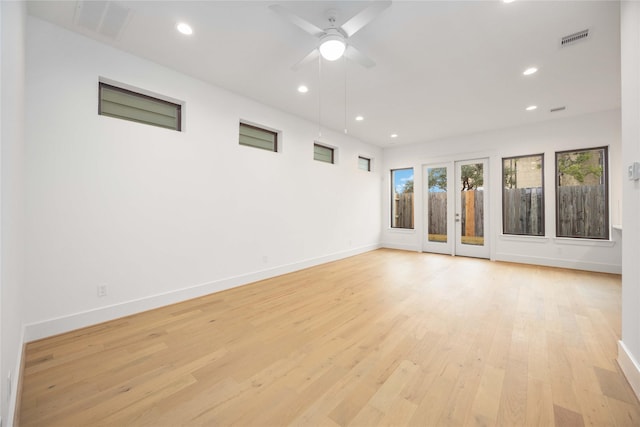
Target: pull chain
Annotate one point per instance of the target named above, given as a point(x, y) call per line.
point(319, 96)
point(345, 95)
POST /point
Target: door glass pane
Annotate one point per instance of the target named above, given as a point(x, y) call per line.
point(472, 204)
point(437, 205)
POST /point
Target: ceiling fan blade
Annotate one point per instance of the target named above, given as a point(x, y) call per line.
point(354, 24)
point(355, 55)
point(296, 20)
point(310, 57)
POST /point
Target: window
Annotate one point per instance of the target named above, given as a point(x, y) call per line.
point(582, 206)
point(136, 107)
point(323, 153)
point(364, 163)
point(402, 198)
point(257, 137)
point(523, 195)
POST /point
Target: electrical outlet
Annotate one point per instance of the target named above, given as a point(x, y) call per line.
point(102, 291)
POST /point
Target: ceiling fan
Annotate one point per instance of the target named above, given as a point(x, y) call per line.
point(334, 40)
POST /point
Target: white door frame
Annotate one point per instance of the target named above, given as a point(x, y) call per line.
point(472, 250)
point(454, 246)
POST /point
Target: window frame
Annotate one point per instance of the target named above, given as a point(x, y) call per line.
point(542, 205)
point(392, 200)
point(368, 169)
point(331, 149)
point(276, 145)
point(605, 183)
point(110, 86)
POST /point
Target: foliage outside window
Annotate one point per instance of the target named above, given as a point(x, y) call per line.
point(323, 153)
point(523, 195)
point(257, 137)
point(402, 198)
point(582, 207)
point(364, 163)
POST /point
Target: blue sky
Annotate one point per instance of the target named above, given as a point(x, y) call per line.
point(400, 177)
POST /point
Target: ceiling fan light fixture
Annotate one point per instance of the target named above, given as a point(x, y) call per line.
point(332, 47)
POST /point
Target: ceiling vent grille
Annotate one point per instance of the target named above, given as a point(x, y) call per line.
point(575, 37)
point(553, 110)
point(106, 18)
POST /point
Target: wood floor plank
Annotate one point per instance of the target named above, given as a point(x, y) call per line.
point(383, 338)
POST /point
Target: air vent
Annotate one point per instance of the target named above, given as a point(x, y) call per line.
point(575, 37)
point(106, 18)
point(553, 110)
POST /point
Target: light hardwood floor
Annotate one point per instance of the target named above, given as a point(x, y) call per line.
point(383, 338)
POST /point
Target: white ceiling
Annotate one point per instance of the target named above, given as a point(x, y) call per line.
point(443, 68)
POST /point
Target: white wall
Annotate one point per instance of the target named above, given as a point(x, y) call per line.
point(158, 215)
point(629, 346)
point(593, 130)
point(12, 24)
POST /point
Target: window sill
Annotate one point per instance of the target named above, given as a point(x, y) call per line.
point(524, 238)
point(402, 230)
point(576, 241)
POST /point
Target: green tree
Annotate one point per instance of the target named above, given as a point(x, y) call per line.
point(472, 176)
point(509, 177)
point(438, 178)
point(578, 165)
point(408, 187)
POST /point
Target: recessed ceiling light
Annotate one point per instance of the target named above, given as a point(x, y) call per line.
point(303, 89)
point(508, 1)
point(359, 118)
point(184, 28)
point(531, 107)
point(394, 135)
point(529, 71)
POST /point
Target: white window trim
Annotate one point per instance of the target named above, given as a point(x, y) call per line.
point(183, 104)
point(278, 132)
point(336, 152)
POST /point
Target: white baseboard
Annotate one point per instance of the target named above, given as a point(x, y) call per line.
point(562, 263)
point(17, 384)
point(630, 368)
point(400, 247)
point(543, 261)
point(50, 327)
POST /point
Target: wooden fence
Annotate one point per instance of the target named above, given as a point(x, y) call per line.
point(522, 211)
point(437, 217)
point(582, 212)
point(403, 210)
point(472, 213)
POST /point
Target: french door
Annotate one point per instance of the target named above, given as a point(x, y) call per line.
point(456, 208)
